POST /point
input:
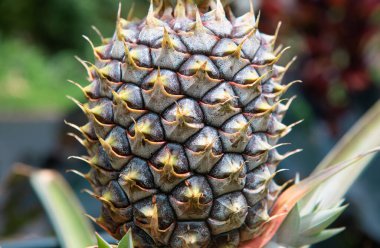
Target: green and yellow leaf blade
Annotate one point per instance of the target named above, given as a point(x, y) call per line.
point(71, 226)
point(316, 210)
point(363, 136)
point(126, 241)
point(101, 242)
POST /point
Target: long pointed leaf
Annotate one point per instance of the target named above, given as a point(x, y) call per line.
point(320, 220)
point(290, 227)
point(291, 196)
point(274, 245)
point(101, 242)
point(64, 210)
point(126, 241)
point(363, 136)
point(326, 234)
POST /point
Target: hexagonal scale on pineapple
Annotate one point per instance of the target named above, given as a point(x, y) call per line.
point(170, 55)
point(204, 150)
point(169, 167)
point(182, 120)
point(228, 212)
point(136, 180)
point(192, 199)
point(191, 234)
point(220, 104)
point(199, 39)
point(228, 174)
point(160, 89)
point(146, 135)
point(155, 216)
point(235, 134)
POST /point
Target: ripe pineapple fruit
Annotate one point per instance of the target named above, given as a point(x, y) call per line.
point(184, 118)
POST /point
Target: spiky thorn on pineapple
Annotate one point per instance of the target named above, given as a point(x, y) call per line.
point(184, 118)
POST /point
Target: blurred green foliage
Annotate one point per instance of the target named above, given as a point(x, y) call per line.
point(57, 24)
point(38, 41)
point(31, 79)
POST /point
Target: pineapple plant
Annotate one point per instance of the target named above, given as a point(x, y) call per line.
point(185, 113)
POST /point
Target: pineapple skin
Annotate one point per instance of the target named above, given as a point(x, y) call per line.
point(184, 118)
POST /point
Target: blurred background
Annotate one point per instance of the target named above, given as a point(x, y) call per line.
point(338, 47)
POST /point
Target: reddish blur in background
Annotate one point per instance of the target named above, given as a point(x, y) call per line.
point(338, 47)
point(339, 43)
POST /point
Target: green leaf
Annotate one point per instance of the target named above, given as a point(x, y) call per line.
point(289, 198)
point(363, 136)
point(298, 231)
point(326, 234)
point(320, 207)
point(126, 241)
point(290, 227)
point(318, 221)
point(275, 245)
point(63, 208)
point(101, 242)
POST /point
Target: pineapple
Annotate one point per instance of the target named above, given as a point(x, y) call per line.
point(184, 116)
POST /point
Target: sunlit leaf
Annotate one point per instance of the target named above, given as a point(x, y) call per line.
point(319, 220)
point(318, 209)
point(126, 241)
point(290, 229)
point(65, 212)
point(326, 234)
point(101, 242)
point(291, 196)
point(363, 136)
